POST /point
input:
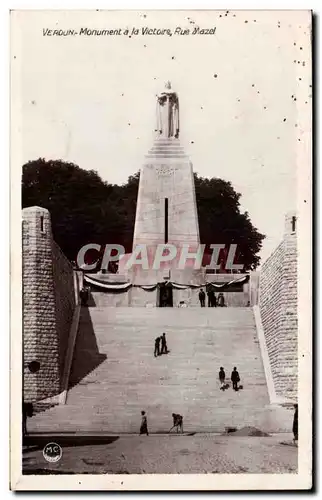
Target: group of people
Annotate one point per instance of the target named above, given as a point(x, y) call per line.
point(160, 346)
point(176, 418)
point(235, 378)
point(213, 301)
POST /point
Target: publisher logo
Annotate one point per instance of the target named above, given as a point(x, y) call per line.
point(52, 452)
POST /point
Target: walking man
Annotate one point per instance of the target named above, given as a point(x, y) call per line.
point(157, 347)
point(202, 298)
point(222, 377)
point(177, 422)
point(164, 347)
point(144, 424)
point(235, 378)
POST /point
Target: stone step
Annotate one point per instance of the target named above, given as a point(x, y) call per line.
point(115, 375)
point(165, 145)
point(169, 147)
point(165, 155)
point(165, 149)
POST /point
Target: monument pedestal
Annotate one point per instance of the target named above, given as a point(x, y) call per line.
point(166, 207)
point(166, 214)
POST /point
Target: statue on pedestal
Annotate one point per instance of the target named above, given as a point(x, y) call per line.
point(168, 113)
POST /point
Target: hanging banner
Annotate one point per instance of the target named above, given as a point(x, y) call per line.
point(214, 284)
point(110, 286)
point(177, 286)
point(147, 288)
point(226, 284)
point(107, 286)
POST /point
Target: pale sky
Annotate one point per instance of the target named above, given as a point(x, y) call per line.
point(91, 100)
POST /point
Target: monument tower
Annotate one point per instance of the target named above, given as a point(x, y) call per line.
point(166, 205)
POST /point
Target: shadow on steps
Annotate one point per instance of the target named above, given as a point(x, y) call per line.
point(86, 354)
point(33, 443)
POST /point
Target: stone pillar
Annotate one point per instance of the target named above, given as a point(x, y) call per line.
point(289, 322)
point(40, 342)
point(278, 308)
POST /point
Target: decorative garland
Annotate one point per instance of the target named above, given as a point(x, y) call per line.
point(124, 286)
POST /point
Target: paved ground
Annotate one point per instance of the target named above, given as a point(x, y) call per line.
point(176, 454)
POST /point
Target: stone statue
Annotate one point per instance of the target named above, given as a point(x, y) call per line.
point(168, 113)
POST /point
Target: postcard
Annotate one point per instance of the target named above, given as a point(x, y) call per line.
point(161, 198)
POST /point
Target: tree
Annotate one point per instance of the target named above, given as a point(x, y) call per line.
point(84, 209)
point(221, 222)
point(81, 205)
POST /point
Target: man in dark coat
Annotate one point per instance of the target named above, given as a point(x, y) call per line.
point(27, 411)
point(209, 294)
point(164, 347)
point(202, 298)
point(221, 300)
point(84, 296)
point(222, 377)
point(295, 424)
point(235, 378)
point(144, 424)
point(177, 422)
point(157, 347)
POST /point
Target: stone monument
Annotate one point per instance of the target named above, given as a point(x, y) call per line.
point(166, 210)
point(166, 225)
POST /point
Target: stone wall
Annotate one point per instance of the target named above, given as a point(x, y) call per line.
point(278, 309)
point(48, 305)
point(63, 277)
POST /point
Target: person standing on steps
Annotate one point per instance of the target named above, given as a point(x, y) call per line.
point(202, 298)
point(157, 347)
point(221, 300)
point(235, 378)
point(209, 294)
point(222, 377)
point(177, 422)
point(144, 424)
point(295, 424)
point(27, 411)
point(84, 294)
point(164, 347)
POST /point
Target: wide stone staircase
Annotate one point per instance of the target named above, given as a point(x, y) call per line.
point(115, 374)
